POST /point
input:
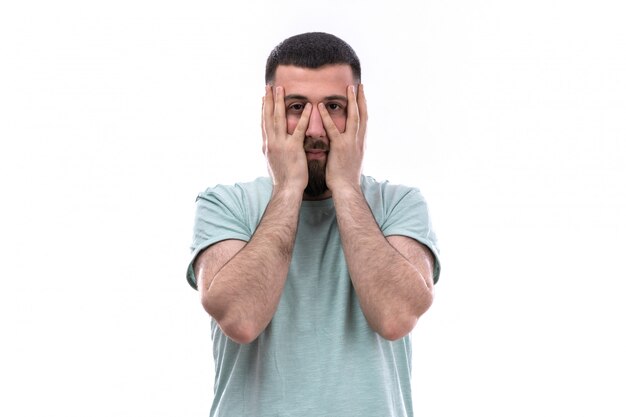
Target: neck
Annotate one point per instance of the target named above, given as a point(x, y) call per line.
point(325, 195)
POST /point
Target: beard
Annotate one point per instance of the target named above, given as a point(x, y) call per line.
point(317, 169)
point(317, 179)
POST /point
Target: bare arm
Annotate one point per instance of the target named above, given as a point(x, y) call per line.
point(391, 276)
point(241, 283)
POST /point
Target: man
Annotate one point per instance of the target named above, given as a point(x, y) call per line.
point(315, 276)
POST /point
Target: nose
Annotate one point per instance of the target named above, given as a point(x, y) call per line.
point(315, 129)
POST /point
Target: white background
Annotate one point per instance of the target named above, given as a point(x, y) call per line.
point(509, 115)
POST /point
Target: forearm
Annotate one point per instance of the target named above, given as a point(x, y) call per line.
point(392, 292)
point(244, 294)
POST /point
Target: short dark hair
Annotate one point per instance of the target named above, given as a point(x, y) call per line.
point(312, 50)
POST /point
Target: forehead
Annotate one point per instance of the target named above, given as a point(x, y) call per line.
point(326, 80)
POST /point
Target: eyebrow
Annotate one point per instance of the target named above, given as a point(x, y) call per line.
point(327, 98)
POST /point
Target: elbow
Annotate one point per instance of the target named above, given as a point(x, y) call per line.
point(398, 326)
point(238, 330)
point(242, 333)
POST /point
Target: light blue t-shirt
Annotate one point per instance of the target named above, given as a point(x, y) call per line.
point(318, 356)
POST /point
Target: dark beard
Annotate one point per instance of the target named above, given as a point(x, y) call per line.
point(317, 179)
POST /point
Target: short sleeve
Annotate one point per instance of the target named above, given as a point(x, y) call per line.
point(220, 214)
point(408, 215)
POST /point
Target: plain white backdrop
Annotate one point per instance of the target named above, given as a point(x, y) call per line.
point(508, 115)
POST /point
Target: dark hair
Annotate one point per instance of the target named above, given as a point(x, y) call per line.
point(312, 50)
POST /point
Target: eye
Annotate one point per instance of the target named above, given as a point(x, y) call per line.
point(296, 107)
point(334, 107)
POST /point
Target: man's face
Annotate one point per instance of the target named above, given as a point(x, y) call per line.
point(326, 85)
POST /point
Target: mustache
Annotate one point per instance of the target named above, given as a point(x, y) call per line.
point(310, 144)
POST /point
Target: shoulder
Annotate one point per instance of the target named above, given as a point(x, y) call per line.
point(242, 202)
point(401, 210)
point(259, 189)
point(386, 194)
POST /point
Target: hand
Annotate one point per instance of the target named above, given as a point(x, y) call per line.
point(286, 159)
point(345, 158)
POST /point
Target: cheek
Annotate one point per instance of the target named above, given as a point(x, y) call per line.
point(292, 122)
point(340, 122)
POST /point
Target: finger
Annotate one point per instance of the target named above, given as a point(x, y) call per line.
point(280, 123)
point(303, 123)
point(328, 122)
point(362, 104)
point(352, 123)
point(268, 109)
point(264, 146)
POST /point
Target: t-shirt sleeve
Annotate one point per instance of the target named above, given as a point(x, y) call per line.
point(409, 216)
point(220, 214)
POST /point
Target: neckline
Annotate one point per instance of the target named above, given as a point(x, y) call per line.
point(326, 203)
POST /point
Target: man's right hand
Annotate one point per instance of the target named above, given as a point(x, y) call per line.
point(286, 159)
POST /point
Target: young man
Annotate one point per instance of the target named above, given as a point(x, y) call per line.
point(316, 275)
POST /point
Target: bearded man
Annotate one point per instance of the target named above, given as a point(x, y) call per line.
point(313, 276)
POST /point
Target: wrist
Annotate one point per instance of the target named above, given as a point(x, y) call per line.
point(345, 189)
point(287, 193)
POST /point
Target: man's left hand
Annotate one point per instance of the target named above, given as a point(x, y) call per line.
point(345, 158)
